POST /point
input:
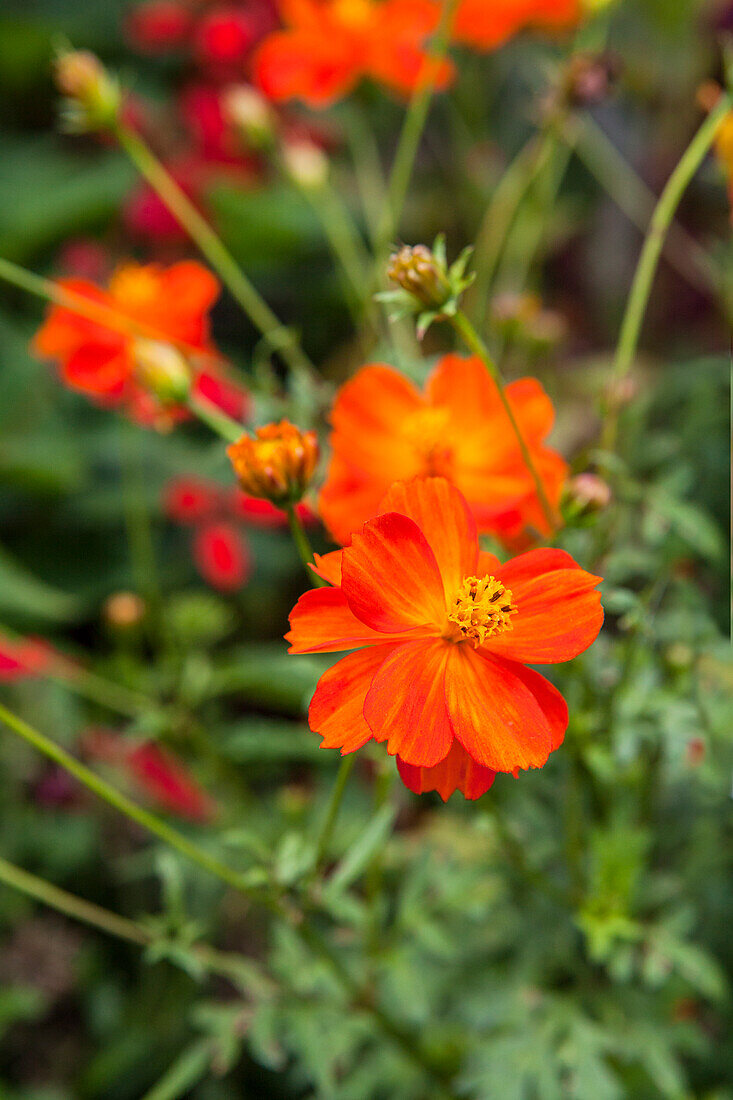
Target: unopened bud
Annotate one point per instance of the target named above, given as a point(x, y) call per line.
point(589, 78)
point(277, 464)
point(305, 164)
point(92, 96)
point(162, 371)
point(124, 610)
point(588, 493)
point(251, 114)
point(416, 269)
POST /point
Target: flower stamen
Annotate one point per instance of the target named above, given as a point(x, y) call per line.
point(482, 608)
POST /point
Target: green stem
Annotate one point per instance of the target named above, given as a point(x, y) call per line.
point(303, 546)
point(126, 806)
point(409, 140)
point(473, 341)
point(334, 805)
point(72, 906)
point(649, 258)
point(280, 338)
point(221, 424)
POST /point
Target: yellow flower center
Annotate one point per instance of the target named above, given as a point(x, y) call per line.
point(425, 431)
point(134, 286)
point(482, 607)
point(353, 14)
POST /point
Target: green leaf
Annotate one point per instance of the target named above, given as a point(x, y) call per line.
point(363, 850)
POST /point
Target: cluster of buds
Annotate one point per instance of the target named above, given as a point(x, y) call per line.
point(91, 96)
point(428, 286)
point(277, 464)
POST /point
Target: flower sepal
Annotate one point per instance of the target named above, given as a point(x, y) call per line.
point(429, 288)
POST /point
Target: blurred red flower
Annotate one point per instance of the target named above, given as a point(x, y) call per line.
point(24, 658)
point(385, 430)
point(221, 556)
point(327, 46)
point(485, 26)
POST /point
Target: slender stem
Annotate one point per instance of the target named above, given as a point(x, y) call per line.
point(126, 806)
point(637, 200)
point(303, 546)
point(473, 341)
point(649, 258)
point(412, 129)
point(98, 312)
point(280, 338)
point(72, 906)
point(334, 805)
point(221, 424)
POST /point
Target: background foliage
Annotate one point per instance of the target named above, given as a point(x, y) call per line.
point(567, 935)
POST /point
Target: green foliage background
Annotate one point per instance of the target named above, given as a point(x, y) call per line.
point(568, 936)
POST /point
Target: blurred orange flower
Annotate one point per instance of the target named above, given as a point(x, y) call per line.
point(172, 304)
point(329, 45)
point(442, 631)
point(485, 26)
point(385, 430)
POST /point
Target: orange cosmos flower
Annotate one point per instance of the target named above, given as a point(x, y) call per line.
point(276, 464)
point(385, 430)
point(329, 45)
point(169, 304)
point(442, 632)
point(485, 26)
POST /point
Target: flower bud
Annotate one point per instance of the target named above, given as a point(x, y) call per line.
point(416, 269)
point(92, 96)
point(162, 371)
point(250, 113)
point(277, 464)
point(589, 493)
point(305, 164)
point(589, 78)
point(124, 610)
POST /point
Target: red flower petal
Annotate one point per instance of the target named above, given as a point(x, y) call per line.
point(221, 556)
point(457, 772)
point(189, 499)
point(495, 716)
point(406, 704)
point(391, 578)
point(336, 709)
point(323, 622)
point(166, 780)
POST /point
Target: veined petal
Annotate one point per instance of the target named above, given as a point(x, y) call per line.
point(559, 610)
point(550, 701)
point(328, 567)
point(323, 622)
point(457, 772)
point(405, 705)
point(337, 708)
point(391, 578)
point(494, 715)
point(445, 519)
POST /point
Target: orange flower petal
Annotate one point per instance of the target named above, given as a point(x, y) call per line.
point(559, 609)
point(445, 519)
point(328, 567)
point(457, 772)
point(405, 705)
point(323, 622)
point(337, 707)
point(391, 578)
point(100, 369)
point(487, 565)
point(550, 701)
point(306, 64)
point(495, 716)
point(367, 416)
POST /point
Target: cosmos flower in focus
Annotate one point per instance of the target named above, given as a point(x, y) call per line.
point(442, 632)
point(328, 46)
point(385, 430)
point(149, 311)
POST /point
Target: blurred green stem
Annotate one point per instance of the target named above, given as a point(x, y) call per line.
point(332, 812)
point(649, 258)
point(126, 806)
point(303, 546)
point(221, 424)
point(476, 345)
point(137, 521)
point(280, 338)
point(409, 140)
